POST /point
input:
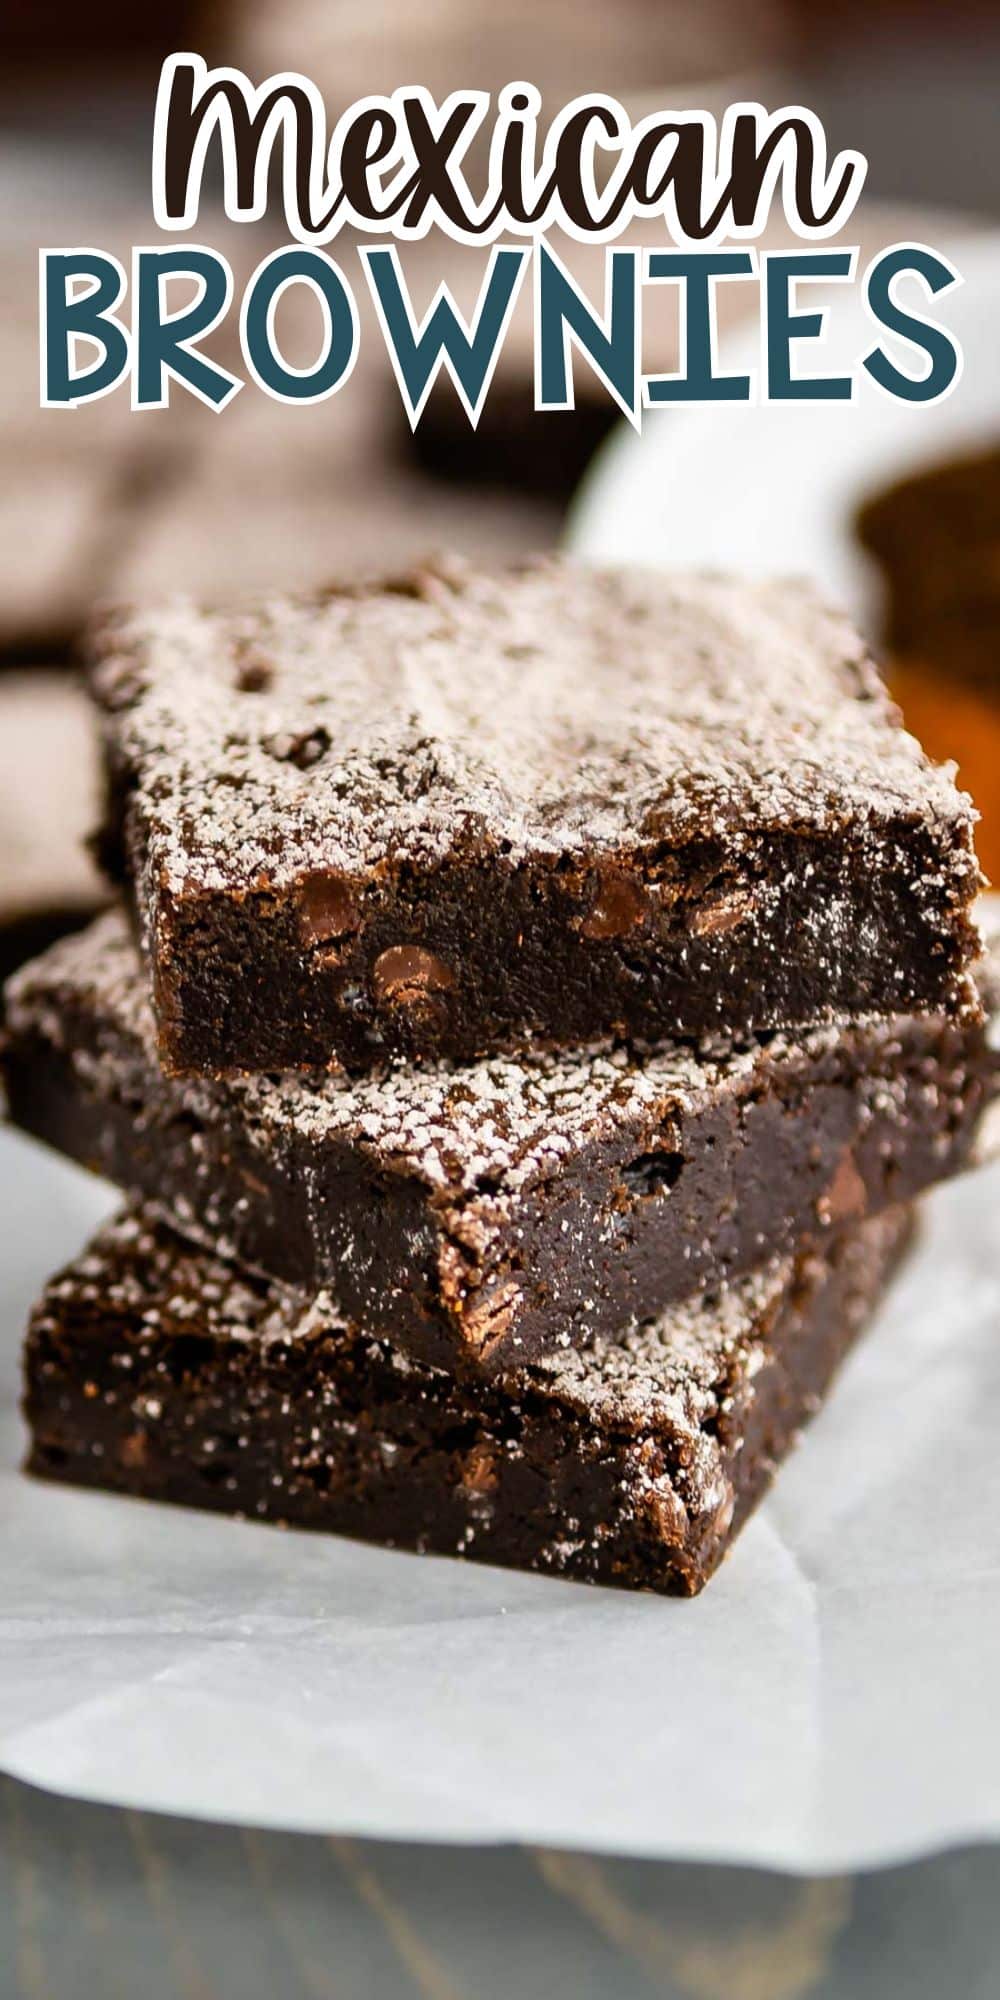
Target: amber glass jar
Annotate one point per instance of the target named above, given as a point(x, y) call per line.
point(961, 720)
point(936, 539)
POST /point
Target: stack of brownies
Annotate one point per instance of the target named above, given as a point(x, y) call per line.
point(536, 1002)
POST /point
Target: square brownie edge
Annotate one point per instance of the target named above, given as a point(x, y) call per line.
point(475, 811)
point(482, 1215)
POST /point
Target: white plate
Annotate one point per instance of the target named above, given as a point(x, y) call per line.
point(772, 489)
point(830, 1702)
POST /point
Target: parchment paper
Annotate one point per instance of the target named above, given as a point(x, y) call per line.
point(829, 1703)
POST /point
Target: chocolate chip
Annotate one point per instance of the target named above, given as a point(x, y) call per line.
point(304, 749)
point(254, 674)
point(489, 1319)
point(667, 1512)
point(134, 1450)
point(412, 584)
point(408, 976)
point(619, 906)
point(478, 1476)
point(846, 1197)
point(713, 919)
point(328, 909)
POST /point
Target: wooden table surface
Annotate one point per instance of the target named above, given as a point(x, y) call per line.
point(117, 1905)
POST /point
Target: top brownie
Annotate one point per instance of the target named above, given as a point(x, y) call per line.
point(468, 811)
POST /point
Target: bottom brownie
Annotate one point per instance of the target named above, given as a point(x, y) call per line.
point(153, 1369)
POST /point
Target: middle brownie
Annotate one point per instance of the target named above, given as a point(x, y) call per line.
point(480, 1215)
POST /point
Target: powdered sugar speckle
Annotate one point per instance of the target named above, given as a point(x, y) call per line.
point(547, 710)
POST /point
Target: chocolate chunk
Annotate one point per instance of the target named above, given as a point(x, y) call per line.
point(406, 976)
point(714, 919)
point(619, 905)
point(328, 909)
point(846, 1198)
point(480, 1474)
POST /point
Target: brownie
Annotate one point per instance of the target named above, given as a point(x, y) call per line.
point(474, 810)
point(153, 1369)
point(936, 537)
point(479, 1216)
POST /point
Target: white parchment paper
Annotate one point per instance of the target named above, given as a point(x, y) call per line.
point(830, 1702)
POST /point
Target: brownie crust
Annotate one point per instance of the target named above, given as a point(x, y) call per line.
point(152, 1369)
point(475, 811)
point(476, 1217)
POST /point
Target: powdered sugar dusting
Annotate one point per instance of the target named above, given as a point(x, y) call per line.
point(667, 1370)
point(553, 709)
point(678, 1372)
point(505, 1122)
